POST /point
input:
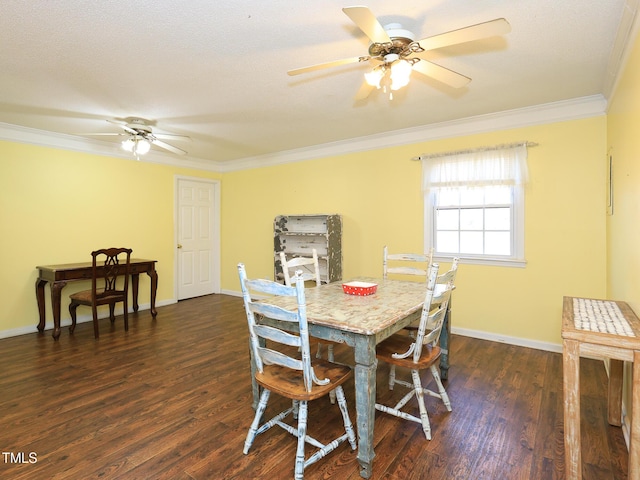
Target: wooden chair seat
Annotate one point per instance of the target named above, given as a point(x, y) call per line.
point(401, 343)
point(84, 297)
point(290, 383)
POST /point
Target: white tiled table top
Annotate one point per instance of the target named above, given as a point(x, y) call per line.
point(600, 316)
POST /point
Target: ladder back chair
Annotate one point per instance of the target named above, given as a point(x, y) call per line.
point(416, 264)
point(419, 353)
point(310, 271)
point(308, 266)
point(285, 367)
point(106, 288)
point(449, 277)
point(406, 263)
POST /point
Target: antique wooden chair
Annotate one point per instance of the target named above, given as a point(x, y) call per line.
point(406, 263)
point(287, 369)
point(106, 288)
point(419, 353)
point(441, 283)
point(415, 264)
point(308, 266)
point(310, 271)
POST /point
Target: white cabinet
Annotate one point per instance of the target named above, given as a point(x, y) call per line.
point(297, 235)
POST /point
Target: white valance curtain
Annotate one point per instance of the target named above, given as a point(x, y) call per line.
point(502, 165)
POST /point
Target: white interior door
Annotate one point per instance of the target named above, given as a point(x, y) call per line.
point(197, 243)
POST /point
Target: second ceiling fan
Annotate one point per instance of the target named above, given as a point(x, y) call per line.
point(395, 53)
point(139, 136)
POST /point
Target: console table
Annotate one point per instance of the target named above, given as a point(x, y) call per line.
point(608, 329)
point(59, 275)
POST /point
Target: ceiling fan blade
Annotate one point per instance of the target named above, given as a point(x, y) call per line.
point(368, 23)
point(499, 26)
point(320, 66)
point(441, 74)
point(123, 126)
point(364, 91)
point(101, 134)
point(171, 136)
point(166, 146)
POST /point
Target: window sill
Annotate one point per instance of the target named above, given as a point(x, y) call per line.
point(494, 262)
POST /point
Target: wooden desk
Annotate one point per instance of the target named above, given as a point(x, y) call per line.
point(59, 275)
point(361, 322)
point(600, 328)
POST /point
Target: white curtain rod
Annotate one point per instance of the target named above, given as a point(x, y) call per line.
point(473, 150)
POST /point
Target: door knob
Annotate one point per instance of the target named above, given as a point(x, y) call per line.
point(179, 246)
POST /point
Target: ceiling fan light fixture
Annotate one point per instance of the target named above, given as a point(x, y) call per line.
point(400, 73)
point(128, 144)
point(374, 77)
point(136, 144)
point(142, 146)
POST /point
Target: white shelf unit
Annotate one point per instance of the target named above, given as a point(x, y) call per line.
point(297, 235)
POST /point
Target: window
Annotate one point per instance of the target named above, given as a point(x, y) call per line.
point(474, 205)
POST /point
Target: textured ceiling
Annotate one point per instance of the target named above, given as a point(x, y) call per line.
point(216, 71)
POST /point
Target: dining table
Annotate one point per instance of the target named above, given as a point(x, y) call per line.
point(360, 321)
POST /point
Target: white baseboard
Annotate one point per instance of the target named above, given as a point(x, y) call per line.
point(233, 293)
point(521, 342)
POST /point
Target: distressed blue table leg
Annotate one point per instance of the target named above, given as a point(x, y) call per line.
point(365, 383)
point(445, 335)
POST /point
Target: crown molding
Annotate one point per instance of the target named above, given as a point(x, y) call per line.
point(624, 42)
point(574, 109)
point(566, 110)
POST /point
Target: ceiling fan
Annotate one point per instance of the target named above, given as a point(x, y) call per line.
point(139, 136)
point(395, 53)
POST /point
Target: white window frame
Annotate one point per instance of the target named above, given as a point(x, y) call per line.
point(516, 259)
point(500, 165)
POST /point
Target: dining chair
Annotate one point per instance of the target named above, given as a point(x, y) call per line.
point(310, 271)
point(106, 288)
point(285, 367)
point(406, 263)
point(419, 353)
point(309, 267)
point(415, 264)
point(442, 281)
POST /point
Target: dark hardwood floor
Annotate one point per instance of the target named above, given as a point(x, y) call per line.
point(171, 399)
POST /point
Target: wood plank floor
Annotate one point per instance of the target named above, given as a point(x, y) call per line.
point(171, 399)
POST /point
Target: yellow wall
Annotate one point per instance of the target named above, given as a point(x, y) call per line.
point(623, 227)
point(54, 204)
point(57, 206)
point(378, 194)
